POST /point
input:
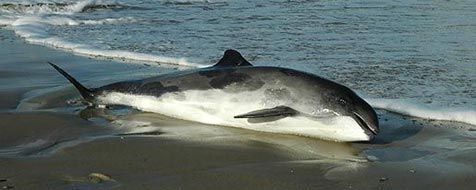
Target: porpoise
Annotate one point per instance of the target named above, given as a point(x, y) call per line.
point(235, 93)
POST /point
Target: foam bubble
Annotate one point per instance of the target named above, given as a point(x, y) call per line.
point(411, 108)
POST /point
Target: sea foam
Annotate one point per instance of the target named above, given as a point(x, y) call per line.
point(413, 108)
point(33, 23)
point(53, 7)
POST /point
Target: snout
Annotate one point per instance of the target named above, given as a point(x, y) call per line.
point(370, 126)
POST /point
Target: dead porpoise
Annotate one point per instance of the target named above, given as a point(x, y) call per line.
point(235, 93)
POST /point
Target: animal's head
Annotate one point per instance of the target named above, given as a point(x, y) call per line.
point(357, 108)
point(365, 115)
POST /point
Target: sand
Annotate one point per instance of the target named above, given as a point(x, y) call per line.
point(50, 141)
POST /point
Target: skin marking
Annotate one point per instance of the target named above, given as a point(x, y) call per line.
point(222, 81)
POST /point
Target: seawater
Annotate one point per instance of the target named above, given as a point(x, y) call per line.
point(413, 57)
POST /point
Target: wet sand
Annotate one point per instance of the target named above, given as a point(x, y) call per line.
point(50, 141)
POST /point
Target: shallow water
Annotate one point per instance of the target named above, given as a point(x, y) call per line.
point(413, 53)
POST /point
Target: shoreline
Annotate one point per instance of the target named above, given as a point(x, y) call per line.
point(47, 144)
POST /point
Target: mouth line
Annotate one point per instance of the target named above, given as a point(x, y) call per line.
point(363, 124)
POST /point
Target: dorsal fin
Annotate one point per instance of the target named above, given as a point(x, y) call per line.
point(232, 58)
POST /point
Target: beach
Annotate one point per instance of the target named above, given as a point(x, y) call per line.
point(413, 62)
point(50, 141)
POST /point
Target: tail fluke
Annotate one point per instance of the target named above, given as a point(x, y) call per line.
point(86, 93)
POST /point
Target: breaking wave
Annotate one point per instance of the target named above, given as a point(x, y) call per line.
point(33, 22)
point(62, 8)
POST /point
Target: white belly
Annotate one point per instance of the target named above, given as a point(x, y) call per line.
point(217, 107)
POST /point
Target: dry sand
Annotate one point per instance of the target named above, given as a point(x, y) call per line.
point(47, 143)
